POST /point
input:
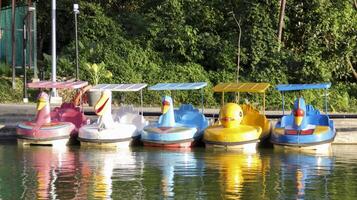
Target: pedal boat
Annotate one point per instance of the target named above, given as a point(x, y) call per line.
point(57, 127)
point(181, 128)
point(120, 130)
point(305, 128)
point(239, 126)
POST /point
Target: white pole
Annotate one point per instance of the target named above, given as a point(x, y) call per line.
point(54, 44)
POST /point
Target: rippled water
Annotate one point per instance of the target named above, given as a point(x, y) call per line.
point(147, 173)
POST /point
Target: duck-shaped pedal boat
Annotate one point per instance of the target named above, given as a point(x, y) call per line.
point(304, 128)
point(44, 130)
point(237, 127)
point(108, 132)
point(175, 129)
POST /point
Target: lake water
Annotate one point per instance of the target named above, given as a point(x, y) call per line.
point(147, 173)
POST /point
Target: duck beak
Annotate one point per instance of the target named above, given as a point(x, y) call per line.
point(101, 106)
point(165, 107)
point(298, 120)
point(41, 103)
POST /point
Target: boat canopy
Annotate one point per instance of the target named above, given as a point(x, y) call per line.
point(58, 85)
point(294, 87)
point(119, 87)
point(241, 87)
point(178, 86)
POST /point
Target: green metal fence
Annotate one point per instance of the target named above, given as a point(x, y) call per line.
point(5, 36)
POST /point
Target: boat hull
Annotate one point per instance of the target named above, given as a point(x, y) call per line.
point(242, 137)
point(54, 133)
point(122, 135)
point(168, 145)
point(170, 137)
point(321, 138)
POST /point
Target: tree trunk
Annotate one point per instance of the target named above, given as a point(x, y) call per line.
point(13, 55)
point(281, 21)
point(349, 63)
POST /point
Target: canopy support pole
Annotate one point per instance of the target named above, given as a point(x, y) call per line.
point(325, 101)
point(141, 102)
point(282, 93)
point(202, 100)
point(264, 103)
point(222, 100)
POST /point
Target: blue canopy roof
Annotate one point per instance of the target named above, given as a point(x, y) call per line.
point(178, 86)
point(292, 87)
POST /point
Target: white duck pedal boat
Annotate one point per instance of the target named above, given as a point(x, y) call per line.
point(119, 131)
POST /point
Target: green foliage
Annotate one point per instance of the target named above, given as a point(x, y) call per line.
point(97, 72)
point(7, 94)
point(5, 70)
point(196, 40)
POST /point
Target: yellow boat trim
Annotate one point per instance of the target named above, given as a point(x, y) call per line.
point(239, 134)
point(241, 87)
point(321, 129)
point(279, 131)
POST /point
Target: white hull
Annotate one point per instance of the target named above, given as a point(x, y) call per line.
point(120, 136)
point(124, 144)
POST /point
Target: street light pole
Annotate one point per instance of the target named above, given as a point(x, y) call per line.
point(53, 8)
point(76, 12)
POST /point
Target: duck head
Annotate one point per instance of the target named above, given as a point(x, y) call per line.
point(43, 109)
point(167, 118)
point(299, 112)
point(231, 115)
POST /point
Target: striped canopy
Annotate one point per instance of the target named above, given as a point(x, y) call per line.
point(119, 87)
point(58, 85)
point(178, 86)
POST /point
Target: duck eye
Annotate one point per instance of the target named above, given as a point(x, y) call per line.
point(240, 114)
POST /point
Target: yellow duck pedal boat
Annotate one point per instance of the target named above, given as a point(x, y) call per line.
point(239, 126)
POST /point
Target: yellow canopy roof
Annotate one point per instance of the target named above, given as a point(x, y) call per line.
point(241, 87)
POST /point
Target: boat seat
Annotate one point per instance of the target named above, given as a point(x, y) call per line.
point(124, 110)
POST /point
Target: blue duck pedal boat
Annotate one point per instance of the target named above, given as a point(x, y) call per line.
point(180, 128)
point(305, 127)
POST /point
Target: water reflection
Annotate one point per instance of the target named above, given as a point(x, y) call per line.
point(143, 173)
point(179, 171)
point(45, 170)
point(301, 171)
point(101, 167)
point(235, 170)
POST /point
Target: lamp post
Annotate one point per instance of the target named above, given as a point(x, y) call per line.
point(24, 48)
point(76, 12)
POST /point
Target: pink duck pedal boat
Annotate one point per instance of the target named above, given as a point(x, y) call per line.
point(54, 127)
